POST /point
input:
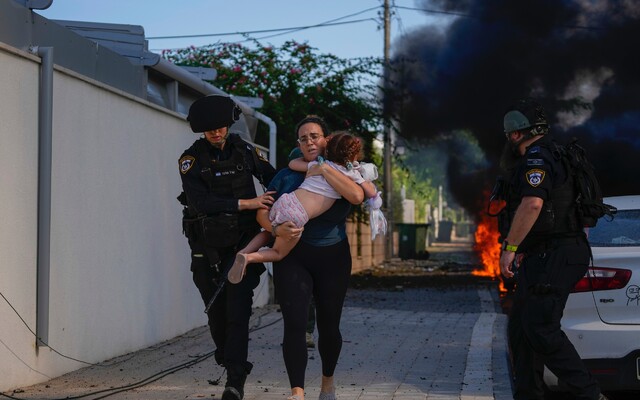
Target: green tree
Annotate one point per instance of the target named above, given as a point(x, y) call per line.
point(294, 81)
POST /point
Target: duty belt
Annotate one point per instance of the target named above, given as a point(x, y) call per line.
point(550, 244)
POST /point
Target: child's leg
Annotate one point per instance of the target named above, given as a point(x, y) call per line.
point(279, 250)
point(261, 239)
point(236, 272)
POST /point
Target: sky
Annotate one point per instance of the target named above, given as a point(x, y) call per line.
point(161, 18)
point(456, 66)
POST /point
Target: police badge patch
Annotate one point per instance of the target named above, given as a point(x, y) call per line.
point(260, 156)
point(535, 177)
point(186, 163)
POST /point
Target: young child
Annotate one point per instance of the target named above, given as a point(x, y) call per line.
point(314, 196)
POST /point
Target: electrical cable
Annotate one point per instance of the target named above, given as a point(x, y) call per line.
point(320, 24)
point(256, 31)
point(331, 22)
point(135, 385)
point(39, 340)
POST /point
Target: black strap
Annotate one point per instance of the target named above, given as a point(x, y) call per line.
point(242, 147)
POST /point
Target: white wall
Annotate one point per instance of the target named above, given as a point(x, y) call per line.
point(120, 278)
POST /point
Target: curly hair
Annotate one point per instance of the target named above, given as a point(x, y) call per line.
point(313, 119)
point(343, 147)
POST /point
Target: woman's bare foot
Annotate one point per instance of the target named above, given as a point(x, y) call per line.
point(236, 273)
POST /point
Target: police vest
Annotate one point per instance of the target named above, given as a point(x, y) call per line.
point(232, 178)
point(559, 214)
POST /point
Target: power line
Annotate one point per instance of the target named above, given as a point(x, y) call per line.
point(431, 11)
point(322, 23)
point(260, 31)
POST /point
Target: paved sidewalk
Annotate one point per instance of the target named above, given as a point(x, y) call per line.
point(404, 344)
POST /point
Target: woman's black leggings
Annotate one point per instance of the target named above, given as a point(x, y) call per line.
point(324, 273)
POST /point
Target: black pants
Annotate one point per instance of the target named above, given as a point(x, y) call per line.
point(544, 282)
point(321, 272)
point(228, 318)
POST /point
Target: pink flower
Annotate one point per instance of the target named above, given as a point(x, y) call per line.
point(236, 69)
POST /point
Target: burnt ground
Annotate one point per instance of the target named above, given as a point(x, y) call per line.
point(448, 264)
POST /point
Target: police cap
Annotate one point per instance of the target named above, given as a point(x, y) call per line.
point(212, 112)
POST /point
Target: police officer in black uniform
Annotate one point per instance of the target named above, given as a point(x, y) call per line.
point(220, 217)
point(546, 248)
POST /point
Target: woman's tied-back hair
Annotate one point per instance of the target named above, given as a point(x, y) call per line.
point(343, 148)
point(315, 120)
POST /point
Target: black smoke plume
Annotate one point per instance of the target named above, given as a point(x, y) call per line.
point(577, 57)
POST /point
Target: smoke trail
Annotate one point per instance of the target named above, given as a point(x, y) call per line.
point(575, 56)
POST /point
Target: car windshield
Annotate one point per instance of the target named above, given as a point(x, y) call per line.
point(623, 230)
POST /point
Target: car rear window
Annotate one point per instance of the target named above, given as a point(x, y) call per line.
point(622, 231)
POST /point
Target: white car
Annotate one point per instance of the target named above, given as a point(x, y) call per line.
point(602, 316)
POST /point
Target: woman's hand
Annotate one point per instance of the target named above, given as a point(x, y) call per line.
point(287, 231)
point(315, 169)
point(264, 201)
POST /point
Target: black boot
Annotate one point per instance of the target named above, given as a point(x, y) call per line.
point(236, 377)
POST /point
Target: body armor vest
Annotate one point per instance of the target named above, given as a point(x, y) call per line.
point(558, 217)
point(229, 178)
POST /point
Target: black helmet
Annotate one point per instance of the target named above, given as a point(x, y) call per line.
point(212, 112)
point(526, 114)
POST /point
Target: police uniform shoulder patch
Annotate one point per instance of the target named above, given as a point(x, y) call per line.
point(535, 177)
point(186, 163)
point(260, 156)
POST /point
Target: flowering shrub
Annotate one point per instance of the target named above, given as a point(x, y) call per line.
point(294, 81)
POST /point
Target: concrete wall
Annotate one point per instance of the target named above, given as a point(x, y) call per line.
point(120, 277)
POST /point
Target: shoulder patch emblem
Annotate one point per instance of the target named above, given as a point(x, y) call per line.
point(535, 177)
point(186, 163)
point(260, 156)
point(535, 161)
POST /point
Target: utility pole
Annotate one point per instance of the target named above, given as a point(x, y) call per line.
point(387, 134)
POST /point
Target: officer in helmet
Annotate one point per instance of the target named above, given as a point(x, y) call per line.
point(220, 202)
point(547, 251)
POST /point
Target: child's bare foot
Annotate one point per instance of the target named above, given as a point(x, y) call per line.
point(236, 273)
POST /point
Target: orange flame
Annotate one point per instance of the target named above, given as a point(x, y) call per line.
point(488, 248)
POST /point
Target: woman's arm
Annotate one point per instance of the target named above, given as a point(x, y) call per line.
point(369, 189)
point(344, 185)
point(287, 230)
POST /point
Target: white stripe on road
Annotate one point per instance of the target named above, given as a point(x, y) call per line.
point(478, 381)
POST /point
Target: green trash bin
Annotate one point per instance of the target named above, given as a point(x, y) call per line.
point(412, 241)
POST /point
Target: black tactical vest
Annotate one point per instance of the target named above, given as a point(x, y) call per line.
point(558, 217)
point(231, 178)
